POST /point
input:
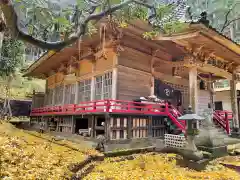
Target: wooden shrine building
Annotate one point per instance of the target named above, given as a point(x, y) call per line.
point(97, 86)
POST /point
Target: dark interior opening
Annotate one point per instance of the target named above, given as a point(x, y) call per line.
point(99, 132)
point(52, 124)
point(202, 85)
point(81, 123)
point(101, 129)
point(100, 120)
point(218, 105)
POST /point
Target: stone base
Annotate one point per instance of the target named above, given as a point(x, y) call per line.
point(235, 135)
point(215, 151)
point(196, 165)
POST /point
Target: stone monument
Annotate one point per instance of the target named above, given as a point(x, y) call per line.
point(210, 138)
point(190, 151)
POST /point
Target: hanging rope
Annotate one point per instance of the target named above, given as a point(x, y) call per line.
point(103, 39)
point(79, 46)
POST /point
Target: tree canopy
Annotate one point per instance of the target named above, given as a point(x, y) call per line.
point(224, 15)
point(58, 23)
point(12, 51)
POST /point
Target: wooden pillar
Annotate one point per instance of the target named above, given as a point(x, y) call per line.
point(93, 126)
point(76, 93)
point(53, 96)
point(115, 76)
point(93, 82)
point(193, 89)
point(152, 77)
point(114, 83)
point(150, 134)
point(129, 127)
point(92, 88)
point(211, 91)
point(73, 124)
point(46, 96)
point(107, 127)
point(233, 93)
point(64, 90)
point(152, 86)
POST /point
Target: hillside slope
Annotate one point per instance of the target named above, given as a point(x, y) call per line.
point(26, 156)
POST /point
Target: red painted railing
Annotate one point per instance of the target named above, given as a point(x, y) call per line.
point(121, 107)
point(222, 119)
point(114, 106)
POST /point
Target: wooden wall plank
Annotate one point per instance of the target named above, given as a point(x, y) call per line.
point(85, 67)
point(135, 59)
point(103, 64)
point(132, 83)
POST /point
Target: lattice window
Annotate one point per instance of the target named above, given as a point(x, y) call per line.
point(139, 127)
point(70, 94)
point(118, 128)
point(103, 86)
point(158, 127)
point(58, 95)
point(64, 124)
point(84, 92)
point(98, 87)
point(107, 86)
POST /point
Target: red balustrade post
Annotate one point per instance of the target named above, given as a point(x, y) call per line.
point(166, 108)
point(74, 108)
point(107, 105)
point(227, 123)
point(128, 106)
point(94, 105)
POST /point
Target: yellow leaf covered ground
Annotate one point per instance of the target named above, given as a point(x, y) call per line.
point(159, 167)
point(24, 156)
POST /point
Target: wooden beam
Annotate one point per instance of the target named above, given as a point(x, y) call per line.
point(222, 44)
point(208, 68)
point(180, 36)
point(193, 89)
point(148, 43)
point(169, 78)
point(214, 70)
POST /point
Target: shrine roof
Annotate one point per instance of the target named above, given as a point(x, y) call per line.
point(171, 48)
point(206, 39)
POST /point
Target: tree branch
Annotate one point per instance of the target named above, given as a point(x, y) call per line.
point(12, 23)
point(226, 19)
point(226, 25)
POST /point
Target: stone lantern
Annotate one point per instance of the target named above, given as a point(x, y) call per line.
point(192, 122)
point(192, 129)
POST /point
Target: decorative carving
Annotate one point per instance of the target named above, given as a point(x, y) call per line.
point(200, 57)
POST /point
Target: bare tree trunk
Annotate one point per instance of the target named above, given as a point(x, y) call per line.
point(1, 40)
point(7, 111)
